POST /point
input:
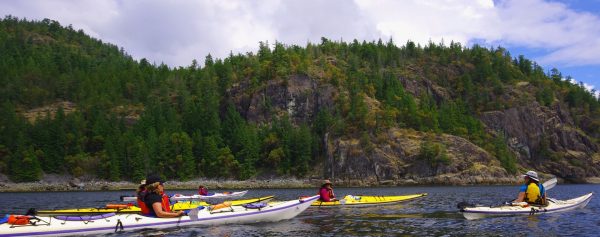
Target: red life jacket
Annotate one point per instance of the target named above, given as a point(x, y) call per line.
point(141, 204)
point(328, 196)
point(203, 191)
point(166, 205)
point(18, 220)
point(143, 208)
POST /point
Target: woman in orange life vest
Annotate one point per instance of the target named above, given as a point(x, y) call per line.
point(140, 194)
point(326, 192)
point(156, 200)
point(532, 191)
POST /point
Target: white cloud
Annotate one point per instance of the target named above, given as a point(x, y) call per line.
point(422, 21)
point(591, 88)
point(570, 37)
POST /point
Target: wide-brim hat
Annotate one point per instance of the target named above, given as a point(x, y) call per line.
point(143, 181)
point(154, 179)
point(532, 175)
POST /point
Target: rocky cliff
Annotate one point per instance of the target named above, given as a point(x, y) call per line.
point(543, 138)
point(393, 158)
point(546, 139)
point(300, 97)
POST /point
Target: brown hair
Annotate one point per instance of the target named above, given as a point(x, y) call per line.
point(153, 188)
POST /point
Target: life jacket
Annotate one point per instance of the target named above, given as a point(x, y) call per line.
point(203, 191)
point(166, 205)
point(18, 220)
point(533, 194)
point(329, 194)
point(141, 204)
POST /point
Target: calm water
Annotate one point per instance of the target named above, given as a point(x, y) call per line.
point(434, 215)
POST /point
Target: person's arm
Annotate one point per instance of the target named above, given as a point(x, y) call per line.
point(521, 197)
point(157, 206)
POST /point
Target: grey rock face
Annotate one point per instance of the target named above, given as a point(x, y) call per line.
point(536, 132)
point(300, 97)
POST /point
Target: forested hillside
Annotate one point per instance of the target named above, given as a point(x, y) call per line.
point(371, 111)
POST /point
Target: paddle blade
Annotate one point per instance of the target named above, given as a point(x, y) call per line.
point(550, 183)
point(193, 214)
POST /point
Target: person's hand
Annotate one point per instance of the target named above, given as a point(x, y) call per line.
point(181, 213)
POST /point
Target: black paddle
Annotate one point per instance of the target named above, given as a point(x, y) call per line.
point(462, 205)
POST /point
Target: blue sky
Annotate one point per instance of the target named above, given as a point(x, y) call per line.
point(555, 33)
point(587, 73)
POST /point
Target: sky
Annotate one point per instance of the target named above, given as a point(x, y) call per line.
point(562, 34)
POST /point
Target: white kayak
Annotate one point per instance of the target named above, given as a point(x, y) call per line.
point(178, 197)
point(111, 223)
point(477, 212)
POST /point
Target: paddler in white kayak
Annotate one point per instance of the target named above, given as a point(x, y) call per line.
point(156, 200)
point(532, 191)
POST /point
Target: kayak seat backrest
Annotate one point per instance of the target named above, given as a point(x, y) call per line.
point(84, 218)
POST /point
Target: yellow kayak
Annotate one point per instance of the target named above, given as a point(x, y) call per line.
point(356, 201)
point(124, 208)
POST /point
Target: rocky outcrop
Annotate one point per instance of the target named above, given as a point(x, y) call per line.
point(34, 114)
point(393, 158)
point(300, 97)
point(547, 139)
point(419, 87)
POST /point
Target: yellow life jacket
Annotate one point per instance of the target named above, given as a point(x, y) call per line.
point(533, 194)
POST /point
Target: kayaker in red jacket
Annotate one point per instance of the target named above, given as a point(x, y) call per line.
point(326, 192)
point(141, 193)
point(202, 190)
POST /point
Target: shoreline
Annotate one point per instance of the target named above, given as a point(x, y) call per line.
point(66, 184)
